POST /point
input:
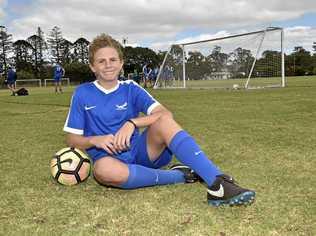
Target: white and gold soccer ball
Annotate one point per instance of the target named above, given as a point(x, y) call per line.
point(70, 166)
point(236, 86)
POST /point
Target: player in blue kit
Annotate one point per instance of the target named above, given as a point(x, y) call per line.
point(147, 71)
point(104, 120)
point(58, 74)
point(11, 80)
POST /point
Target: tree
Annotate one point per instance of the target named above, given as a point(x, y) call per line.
point(161, 56)
point(174, 63)
point(66, 54)
point(302, 61)
point(269, 65)
point(39, 47)
point(55, 41)
point(217, 60)
point(23, 55)
point(240, 61)
point(5, 47)
point(196, 66)
point(135, 58)
point(81, 50)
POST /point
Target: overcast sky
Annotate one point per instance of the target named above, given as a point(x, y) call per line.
point(158, 23)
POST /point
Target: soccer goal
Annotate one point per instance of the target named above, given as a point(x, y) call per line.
point(51, 81)
point(248, 60)
point(28, 82)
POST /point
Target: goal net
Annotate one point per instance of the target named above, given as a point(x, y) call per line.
point(249, 60)
point(28, 82)
point(64, 81)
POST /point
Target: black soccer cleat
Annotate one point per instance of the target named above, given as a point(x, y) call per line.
point(189, 175)
point(225, 191)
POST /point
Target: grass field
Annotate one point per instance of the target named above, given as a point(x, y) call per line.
point(265, 138)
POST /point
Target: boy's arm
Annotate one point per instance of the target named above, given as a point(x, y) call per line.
point(103, 141)
point(123, 136)
point(156, 113)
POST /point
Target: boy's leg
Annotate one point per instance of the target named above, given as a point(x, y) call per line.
point(10, 86)
point(60, 88)
point(166, 132)
point(56, 86)
point(221, 190)
point(113, 172)
point(134, 169)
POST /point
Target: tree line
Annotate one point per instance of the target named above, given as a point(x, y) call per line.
point(34, 57)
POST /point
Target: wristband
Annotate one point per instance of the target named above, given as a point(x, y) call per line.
point(129, 120)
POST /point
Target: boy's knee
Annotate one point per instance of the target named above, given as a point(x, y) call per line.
point(110, 172)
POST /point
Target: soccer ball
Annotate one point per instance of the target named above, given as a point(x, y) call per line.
point(70, 166)
point(236, 86)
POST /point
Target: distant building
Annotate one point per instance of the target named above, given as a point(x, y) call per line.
point(220, 75)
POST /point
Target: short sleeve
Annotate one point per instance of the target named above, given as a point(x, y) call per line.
point(75, 120)
point(144, 102)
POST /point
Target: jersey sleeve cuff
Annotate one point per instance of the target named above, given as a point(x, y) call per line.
point(152, 107)
point(73, 131)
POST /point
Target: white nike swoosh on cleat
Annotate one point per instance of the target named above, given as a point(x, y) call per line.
point(89, 108)
point(197, 153)
point(217, 193)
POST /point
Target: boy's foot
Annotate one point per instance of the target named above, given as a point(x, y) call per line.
point(225, 191)
point(189, 174)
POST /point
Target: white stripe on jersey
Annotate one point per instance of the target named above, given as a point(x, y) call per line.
point(152, 107)
point(71, 130)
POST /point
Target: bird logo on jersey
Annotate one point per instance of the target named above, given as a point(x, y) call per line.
point(121, 107)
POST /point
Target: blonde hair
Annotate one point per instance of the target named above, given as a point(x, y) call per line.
point(102, 41)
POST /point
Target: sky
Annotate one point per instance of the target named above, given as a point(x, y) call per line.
point(159, 23)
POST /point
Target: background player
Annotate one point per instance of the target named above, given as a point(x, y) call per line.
point(11, 79)
point(59, 72)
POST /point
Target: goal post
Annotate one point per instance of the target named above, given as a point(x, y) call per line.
point(51, 81)
point(29, 82)
point(248, 60)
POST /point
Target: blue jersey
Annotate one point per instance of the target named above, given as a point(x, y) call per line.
point(58, 71)
point(97, 111)
point(146, 71)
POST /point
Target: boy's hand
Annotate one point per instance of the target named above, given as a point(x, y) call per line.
point(105, 142)
point(123, 136)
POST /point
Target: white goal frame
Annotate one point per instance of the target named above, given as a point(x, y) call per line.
point(246, 85)
point(39, 81)
point(62, 79)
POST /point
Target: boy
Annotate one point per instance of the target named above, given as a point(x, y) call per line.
point(104, 120)
point(59, 72)
point(11, 80)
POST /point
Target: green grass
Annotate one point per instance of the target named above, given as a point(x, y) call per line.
point(265, 138)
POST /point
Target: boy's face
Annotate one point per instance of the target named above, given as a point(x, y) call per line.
point(107, 64)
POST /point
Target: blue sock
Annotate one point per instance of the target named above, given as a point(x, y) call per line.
point(141, 176)
point(189, 153)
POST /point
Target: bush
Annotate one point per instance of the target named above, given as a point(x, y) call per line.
point(78, 72)
point(25, 75)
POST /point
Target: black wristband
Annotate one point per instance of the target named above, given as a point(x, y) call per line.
point(135, 126)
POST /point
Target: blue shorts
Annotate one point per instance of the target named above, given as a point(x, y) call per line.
point(57, 78)
point(136, 155)
point(11, 82)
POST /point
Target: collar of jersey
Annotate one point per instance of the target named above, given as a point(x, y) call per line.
point(106, 91)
